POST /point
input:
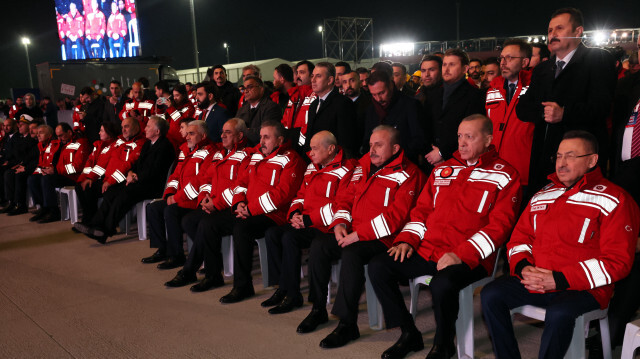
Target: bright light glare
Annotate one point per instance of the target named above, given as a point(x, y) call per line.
point(26, 41)
point(320, 29)
point(599, 37)
point(536, 40)
point(397, 49)
point(225, 45)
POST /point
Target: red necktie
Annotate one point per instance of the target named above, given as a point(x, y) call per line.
point(635, 138)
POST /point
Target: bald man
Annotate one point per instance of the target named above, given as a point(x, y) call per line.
point(138, 107)
point(309, 218)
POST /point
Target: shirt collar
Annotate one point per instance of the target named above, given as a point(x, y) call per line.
point(567, 58)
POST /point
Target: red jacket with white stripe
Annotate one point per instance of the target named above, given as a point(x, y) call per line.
point(182, 182)
point(146, 108)
point(125, 153)
point(174, 116)
point(467, 210)
point(97, 161)
point(296, 113)
point(72, 158)
point(47, 155)
point(117, 25)
point(78, 123)
point(318, 191)
point(377, 205)
point(95, 25)
point(512, 137)
point(587, 233)
point(75, 24)
point(270, 183)
point(219, 180)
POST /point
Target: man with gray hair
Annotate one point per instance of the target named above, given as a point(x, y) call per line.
point(145, 180)
point(469, 207)
point(309, 217)
point(215, 185)
point(179, 198)
point(30, 108)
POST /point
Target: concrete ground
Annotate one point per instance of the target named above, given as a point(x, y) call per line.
point(63, 295)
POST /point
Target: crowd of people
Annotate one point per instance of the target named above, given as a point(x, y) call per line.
point(537, 151)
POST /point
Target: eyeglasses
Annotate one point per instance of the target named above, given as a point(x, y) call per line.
point(250, 87)
point(509, 58)
point(569, 157)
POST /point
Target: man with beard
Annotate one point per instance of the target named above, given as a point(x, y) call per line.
point(400, 79)
point(180, 108)
point(474, 74)
point(114, 103)
point(361, 100)
point(490, 70)
point(210, 111)
point(229, 94)
point(283, 85)
point(540, 53)
point(430, 77)
point(363, 73)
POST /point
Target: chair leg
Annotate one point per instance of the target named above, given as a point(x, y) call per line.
point(374, 309)
point(576, 348)
point(264, 266)
point(464, 324)
point(631, 341)
point(141, 210)
point(605, 337)
point(414, 290)
point(227, 255)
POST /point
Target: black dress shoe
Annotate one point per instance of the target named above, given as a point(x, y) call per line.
point(441, 351)
point(208, 283)
point(289, 303)
point(38, 214)
point(172, 262)
point(340, 336)
point(154, 258)
point(410, 341)
point(275, 299)
point(50, 216)
point(18, 210)
point(238, 294)
point(82, 227)
point(8, 208)
point(311, 322)
point(181, 279)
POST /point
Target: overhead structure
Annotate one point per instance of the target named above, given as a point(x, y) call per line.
point(348, 38)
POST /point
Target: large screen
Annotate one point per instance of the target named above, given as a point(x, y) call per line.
point(97, 29)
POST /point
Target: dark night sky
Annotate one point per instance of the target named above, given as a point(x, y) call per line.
point(288, 29)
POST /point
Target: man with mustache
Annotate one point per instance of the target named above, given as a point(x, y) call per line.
point(430, 77)
point(573, 90)
point(209, 110)
point(575, 239)
point(295, 113)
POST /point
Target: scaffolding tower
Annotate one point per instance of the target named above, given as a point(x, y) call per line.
point(348, 38)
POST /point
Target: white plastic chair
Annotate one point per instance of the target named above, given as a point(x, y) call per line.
point(134, 41)
point(141, 210)
point(374, 308)
point(226, 247)
point(464, 323)
point(69, 204)
point(577, 346)
point(631, 339)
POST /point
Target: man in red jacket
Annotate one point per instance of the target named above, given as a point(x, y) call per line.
point(368, 213)
point(465, 213)
point(511, 137)
point(575, 239)
point(309, 218)
point(213, 217)
point(180, 197)
point(296, 112)
point(116, 31)
point(95, 30)
point(138, 107)
point(261, 200)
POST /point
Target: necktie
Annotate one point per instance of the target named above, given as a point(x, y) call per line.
point(205, 113)
point(319, 104)
point(510, 92)
point(559, 67)
point(635, 137)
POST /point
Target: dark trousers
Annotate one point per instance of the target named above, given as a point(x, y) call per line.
point(245, 232)
point(625, 303)
point(284, 253)
point(117, 201)
point(324, 250)
point(206, 230)
point(628, 176)
point(165, 227)
point(15, 186)
point(385, 273)
point(562, 309)
point(88, 199)
point(43, 188)
point(354, 258)
point(3, 170)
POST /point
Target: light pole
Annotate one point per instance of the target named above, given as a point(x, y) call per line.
point(26, 42)
point(321, 30)
point(226, 46)
point(195, 38)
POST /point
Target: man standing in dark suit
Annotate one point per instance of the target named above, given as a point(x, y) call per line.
point(331, 111)
point(210, 111)
point(257, 108)
point(145, 180)
point(571, 91)
point(114, 103)
point(393, 108)
point(351, 88)
point(448, 105)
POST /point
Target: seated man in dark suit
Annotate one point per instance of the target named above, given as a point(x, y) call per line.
point(145, 180)
point(22, 161)
point(257, 108)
